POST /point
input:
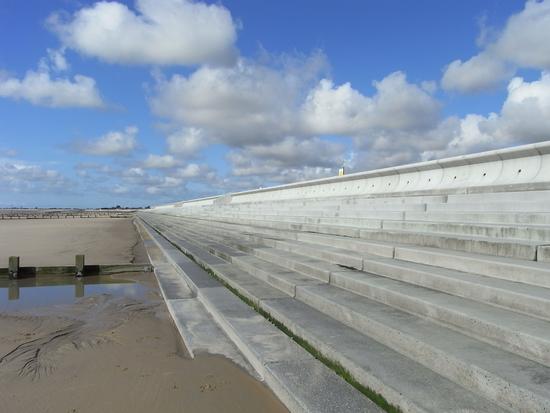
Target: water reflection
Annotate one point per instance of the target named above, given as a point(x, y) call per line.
point(42, 291)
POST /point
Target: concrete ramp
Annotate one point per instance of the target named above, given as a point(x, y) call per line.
point(427, 284)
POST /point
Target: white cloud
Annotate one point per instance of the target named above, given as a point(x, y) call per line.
point(481, 72)
point(293, 152)
point(186, 142)
point(525, 39)
point(160, 161)
point(523, 118)
point(255, 104)
point(120, 189)
point(342, 110)
point(21, 176)
point(270, 114)
point(523, 42)
point(40, 88)
point(114, 143)
point(161, 32)
point(289, 160)
point(245, 104)
point(191, 170)
point(55, 61)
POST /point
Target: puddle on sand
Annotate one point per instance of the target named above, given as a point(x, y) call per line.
point(27, 293)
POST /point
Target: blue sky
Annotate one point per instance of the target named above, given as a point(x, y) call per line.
point(148, 101)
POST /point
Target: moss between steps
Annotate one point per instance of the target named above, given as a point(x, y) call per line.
point(332, 364)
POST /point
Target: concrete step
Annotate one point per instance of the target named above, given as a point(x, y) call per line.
point(525, 298)
point(304, 218)
point(361, 246)
point(305, 265)
point(383, 241)
point(317, 268)
point(510, 206)
point(365, 200)
point(405, 383)
point(323, 252)
point(530, 218)
point(515, 332)
point(300, 381)
point(322, 206)
point(499, 231)
point(329, 254)
point(520, 249)
point(536, 273)
point(512, 380)
point(513, 295)
point(257, 233)
point(511, 331)
point(520, 271)
point(275, 275)
point(517, 196)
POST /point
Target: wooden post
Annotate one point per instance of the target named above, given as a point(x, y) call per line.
point(79, 264)
point(79, 288)
point(13, 269)
point(13, 291)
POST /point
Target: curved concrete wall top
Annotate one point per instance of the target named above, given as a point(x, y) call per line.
point(518, 165)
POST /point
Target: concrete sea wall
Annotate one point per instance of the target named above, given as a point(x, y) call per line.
point(527, 165)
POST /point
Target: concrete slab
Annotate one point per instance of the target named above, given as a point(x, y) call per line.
point(516, 382)
point(529, 272)
point(518, 333)
point(525, 298)
point(311, 388)
point(276, 358)
point(402, 381)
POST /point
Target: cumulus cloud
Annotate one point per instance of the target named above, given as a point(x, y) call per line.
point(523, 42)
point(191, 170)
point(21, 176)
point(273, 117)
point(342, 110)
point(186, 142)
point(160, 161)
point(481, 72)
point(160, 32)
point(43, 89)
point(253, 103)
point(523, 118)
point(114, 143)
point(247, 103)
point(289, 160)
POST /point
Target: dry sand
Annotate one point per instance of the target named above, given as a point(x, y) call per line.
point(43, 242)
point(114, 354)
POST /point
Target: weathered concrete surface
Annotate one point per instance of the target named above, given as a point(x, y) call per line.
point(212, 319)
point(429, 282)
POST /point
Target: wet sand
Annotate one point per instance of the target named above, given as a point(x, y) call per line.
point(115, 354)
point(43, 242)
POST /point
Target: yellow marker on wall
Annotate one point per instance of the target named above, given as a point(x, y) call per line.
point(341, 171)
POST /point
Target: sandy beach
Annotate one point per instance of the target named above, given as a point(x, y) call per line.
point(55, 242)
point(111, 353)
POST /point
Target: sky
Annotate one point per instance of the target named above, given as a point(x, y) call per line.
point(143, 102)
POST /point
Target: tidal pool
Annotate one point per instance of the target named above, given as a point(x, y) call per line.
point(28, 293)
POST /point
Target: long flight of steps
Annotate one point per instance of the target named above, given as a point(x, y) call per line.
point(440, 303)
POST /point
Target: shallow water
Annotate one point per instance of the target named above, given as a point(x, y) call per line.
point(31, 293)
